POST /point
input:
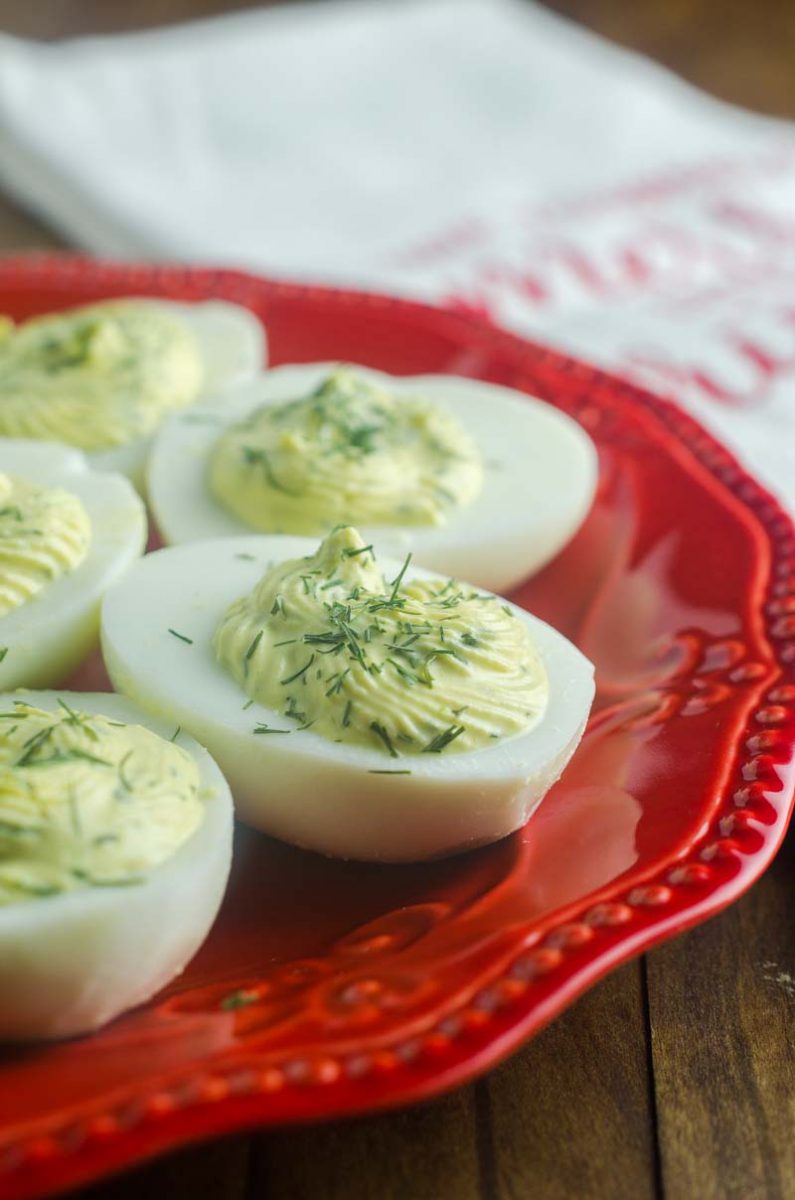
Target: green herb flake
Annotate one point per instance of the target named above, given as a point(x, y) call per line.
point(443, 739)
point(182, 637)
point(253, 647)
point(383, 736)
point(239, 999)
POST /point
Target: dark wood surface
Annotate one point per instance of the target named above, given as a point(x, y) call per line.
point(675, 1076)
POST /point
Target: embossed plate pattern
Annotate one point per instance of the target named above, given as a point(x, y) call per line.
point(360, 987)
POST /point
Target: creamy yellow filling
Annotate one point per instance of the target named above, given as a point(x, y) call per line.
point(98, 376)
point(44, 534)
point(418, 667)
point(86, 801)
point(348, 453)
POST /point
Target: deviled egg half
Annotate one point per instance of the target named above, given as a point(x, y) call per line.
point(478, 481)
point(359, 707)
point(102, 377)
point(66, 533)
point(115, 847)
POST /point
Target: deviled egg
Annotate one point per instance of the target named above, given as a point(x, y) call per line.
point(115, 847)
point(361, 708)
point(478, 481)
point(102, 377)
point(66, 533)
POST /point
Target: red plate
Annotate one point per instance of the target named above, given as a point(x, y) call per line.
point(370, 986)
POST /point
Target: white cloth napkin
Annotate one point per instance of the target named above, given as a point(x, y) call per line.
point(478, 152)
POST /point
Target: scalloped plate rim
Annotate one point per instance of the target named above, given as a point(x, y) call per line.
point(42, 1168)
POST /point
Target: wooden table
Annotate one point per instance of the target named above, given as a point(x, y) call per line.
point(673, 1077)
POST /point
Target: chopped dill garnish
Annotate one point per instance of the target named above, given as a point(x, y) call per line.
point(291, 711)
point(383, 736)
point(254, 456)
point(299, 674)
point(123, 763)
point(277, 608)
point(246, 557)
point(443, 739)
point(350, 553)
point(58, 757)
point(384, 772)
point(396, 582)
point(346, 716)
point(338, 680)
point(81, 719)
point(253, 647)
point(263, 728)
point(182, 637)
point(3, 652)
point(176, 734)
point(239, 999)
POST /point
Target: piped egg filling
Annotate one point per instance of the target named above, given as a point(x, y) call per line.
point(97, 376)
point(349, 452)
point(44, 533)
point(88, 802)
point(424, 667)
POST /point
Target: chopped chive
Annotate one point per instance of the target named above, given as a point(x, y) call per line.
point(246, 557)
point(3, 652)
point(346, 716)
point(361, 550)
point(176, 734)
point(263, 728)
point(389, 772)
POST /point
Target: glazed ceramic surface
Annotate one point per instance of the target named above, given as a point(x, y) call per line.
point(329, 988)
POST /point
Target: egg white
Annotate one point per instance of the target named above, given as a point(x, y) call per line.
point(304, 788)
point(232, 344)
point(70, 963)
point(540, 474)
point(50, 634)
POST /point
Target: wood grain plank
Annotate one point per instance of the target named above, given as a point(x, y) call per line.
point(20, 230)
point(427, 1153)
point(738, 51)
point(216, 1171)
point(722, 1009)
point(50, 19)
point(570, 1115)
